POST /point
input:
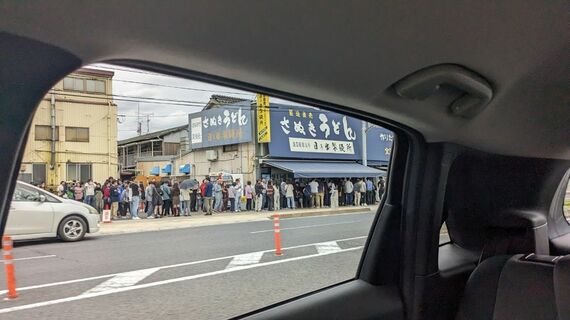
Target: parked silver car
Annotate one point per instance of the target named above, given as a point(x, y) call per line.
point(35, 213)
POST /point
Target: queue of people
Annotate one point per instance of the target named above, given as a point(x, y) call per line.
point(130, 199)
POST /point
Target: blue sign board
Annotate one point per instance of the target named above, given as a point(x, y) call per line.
point(228, 124)
point(300, 132)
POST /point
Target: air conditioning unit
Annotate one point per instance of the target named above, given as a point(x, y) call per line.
point(212, 155)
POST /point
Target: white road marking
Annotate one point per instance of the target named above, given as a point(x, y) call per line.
point(310, 226)
point(328, 247)
point(45, 285)
point(121, 280)
point(245, 259)
point(163, 282)
point(32, 258)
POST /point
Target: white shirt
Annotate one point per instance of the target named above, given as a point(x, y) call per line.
point(314, 186)
point(90, 189)
point(289, 190)
point(348, 187)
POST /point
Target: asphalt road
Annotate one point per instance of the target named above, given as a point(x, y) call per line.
point(207, 272)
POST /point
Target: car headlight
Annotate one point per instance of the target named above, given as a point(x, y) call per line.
point(93, 211)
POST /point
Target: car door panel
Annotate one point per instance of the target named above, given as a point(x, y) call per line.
point(30, 217)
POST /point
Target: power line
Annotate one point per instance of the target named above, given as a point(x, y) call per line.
point(184, 88)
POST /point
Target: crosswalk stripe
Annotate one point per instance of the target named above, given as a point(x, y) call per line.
point(328, 247)
point(125, 279)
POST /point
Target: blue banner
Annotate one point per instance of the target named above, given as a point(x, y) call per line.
point(300, 132)
point(228, 124)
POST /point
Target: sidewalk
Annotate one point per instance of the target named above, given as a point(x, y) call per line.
point(199, 219)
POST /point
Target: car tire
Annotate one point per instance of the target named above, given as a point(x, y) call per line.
point(72, 228)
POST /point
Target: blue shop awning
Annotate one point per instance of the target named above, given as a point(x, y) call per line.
point(155, 171)
point(185, 168)
point(167, 169)
point(321, 169)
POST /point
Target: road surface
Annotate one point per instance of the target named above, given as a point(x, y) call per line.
point(211, 272)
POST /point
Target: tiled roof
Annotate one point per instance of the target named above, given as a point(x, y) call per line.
point(216, 100)
point(152, 135)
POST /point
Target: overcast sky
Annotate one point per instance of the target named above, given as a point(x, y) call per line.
point(167, 100)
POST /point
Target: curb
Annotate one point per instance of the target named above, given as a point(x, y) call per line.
point(320, 213)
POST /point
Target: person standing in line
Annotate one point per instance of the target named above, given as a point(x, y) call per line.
point(208, 193)
point(99, 203)
point(363, 192)
point(217, 194)
point(283, 193)
point(159, 202)
point(231, 191)
point(276, 197)
point(151, 200)
point(175, 200)
point(381, 188)
point(61, 189)
point(107, 195)
point(259, 191)
point(114, 199)
point(202, 202)
point(298, 194)
point(264, 193)
point(135, 198)
point(333, 195)
point(357, 188)
point(308, 196)
point(340, 193)
point(248, 196)
point(369, 192)
point(90, 193)
point(142, 195)
point(124, 200)
point(239, 194)
point(78, 192)
point(270, 193)
point(166, 199)
point(321, 193)
point(225, 199)
point(193, 199)
point(348, 192)
point(185, 201)
point(289, 195)
point(314, 185)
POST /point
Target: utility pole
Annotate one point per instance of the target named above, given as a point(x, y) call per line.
point(364, 131)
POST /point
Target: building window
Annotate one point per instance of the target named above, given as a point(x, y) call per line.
point(84, 85)
point(78, 171)
point(231, 147)
point(36, 176)
point(170, 148)
point(38, 173)
point(44, 132)
point(77, 134)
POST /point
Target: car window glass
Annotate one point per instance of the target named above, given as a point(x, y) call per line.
point(247, 195)
point(22, 193)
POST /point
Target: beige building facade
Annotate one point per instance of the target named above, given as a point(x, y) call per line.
point(73, 135)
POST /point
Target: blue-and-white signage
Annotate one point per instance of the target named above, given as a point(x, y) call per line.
point(299, 132)
point(228, 124)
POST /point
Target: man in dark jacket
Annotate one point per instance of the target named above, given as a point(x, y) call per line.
point(114, 196)
point(208, 193)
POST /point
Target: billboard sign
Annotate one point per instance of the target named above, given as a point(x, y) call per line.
point(228, 124)
point(301, 132)
point(263, 119)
